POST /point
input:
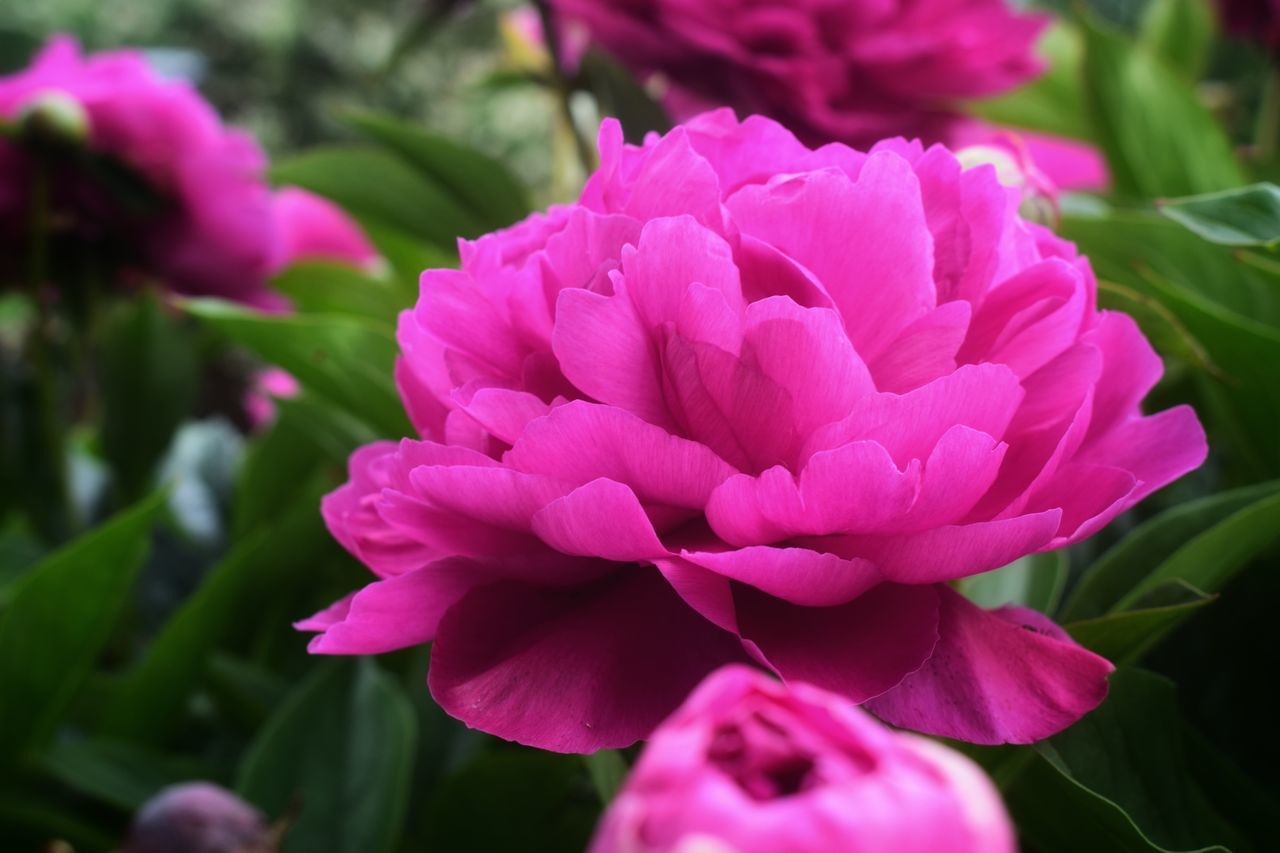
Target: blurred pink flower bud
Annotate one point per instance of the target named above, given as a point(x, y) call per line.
point(198, 817)
point(750, 766)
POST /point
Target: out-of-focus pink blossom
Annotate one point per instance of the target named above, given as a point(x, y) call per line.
point(206, 228)
point(855, 71)
point(312, 228)
point(198, 817)
point(749, 766)
point(749, 401)
point(268, 385)
point(1256, 20)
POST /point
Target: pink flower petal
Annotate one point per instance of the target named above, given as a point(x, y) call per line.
point(596, 667)
point(601, 519)
point(882, 276)
point(859, 649)
point(797, 575)
point(996, 677)
point(392, 614)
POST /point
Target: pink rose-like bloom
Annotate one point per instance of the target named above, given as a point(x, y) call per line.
point(214, 235)
point(750, 766)
point(749, 401)
point(849, 70)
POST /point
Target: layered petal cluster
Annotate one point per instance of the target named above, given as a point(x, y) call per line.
point(749, 766)
point(749, 401)
point(204, 224)
point(851, 70)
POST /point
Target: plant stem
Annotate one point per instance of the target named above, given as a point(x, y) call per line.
point(1266, 135)
point(550, 32)
point(50, 434)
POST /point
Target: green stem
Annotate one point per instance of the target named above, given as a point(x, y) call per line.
point(1266, 136)
point(551, 34)
point(50, 432)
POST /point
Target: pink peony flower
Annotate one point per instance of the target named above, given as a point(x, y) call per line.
point(266, 387)
point(748, 766)
point(849, 70)
point(312, 228)
point(213, 233)
point(748, 401)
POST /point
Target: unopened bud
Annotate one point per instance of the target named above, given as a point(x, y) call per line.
point(198, 817)
point(54, 118)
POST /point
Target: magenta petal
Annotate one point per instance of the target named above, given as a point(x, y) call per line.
point(776, 505)
point(958, 472)
point(1157, 449)
point(982, 396)
point(805, 351)
point(597, 667)
point(581, 441)
point(1131, 368)
point(394, 613)
point(955, 551)
point(924, 351)
point(797, 575)
point(607, 353)
point(502, 412)
point(996, 677)
point(859, 649)
point(881, 276)
point(601, 519)
point(673, 254)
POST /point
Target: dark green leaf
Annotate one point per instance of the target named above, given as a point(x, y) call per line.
point(148, 383)
point(1035, 581)
point(1248, 216)
point(306, 437)
point(479, 183)
point(621, 97)
point(345, 360)
point(1212, 558)
point(1159, 140)
point(340, 751)
point(149, 702)
point(377, 184)
point(58, 620)
point(1117, 780)
point(1140, 553)
point(1180, 32)
point(116, 772)
point(545, 801)
point(1126, 634)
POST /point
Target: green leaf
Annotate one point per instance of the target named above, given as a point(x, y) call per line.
point(330, 288)
point(545, 801)
point(346, 360)
point(1034, 581)
point(608, 769)
point(1212, 558)
point(340, 749)
point(305, 437)
point(1143, 550)
point(1126, 635)
point(122, 774)
point(620, 96)
point(149, 377)
point(58, 620)
point(149, 702)
point(1180, 32)
point(479, 183)
point(1054, 101)
point(377, 184)
point(1248, 216)
point(1232, 310)
point(1159, 140)
point(1117, 780)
